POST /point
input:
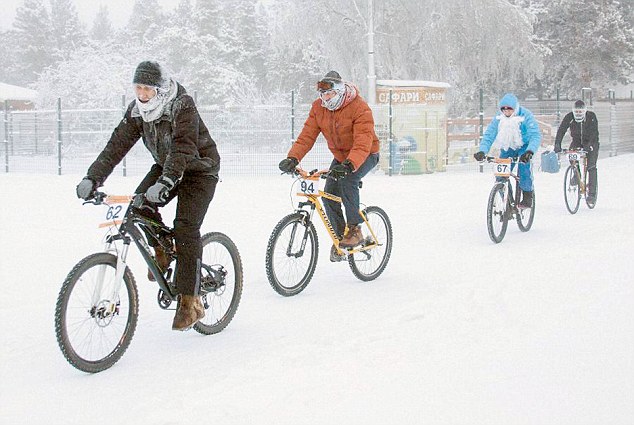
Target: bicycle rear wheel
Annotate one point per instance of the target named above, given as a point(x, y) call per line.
point(220, 284)
point(291, 255)
point(572, 194)
point(525, 216)
point(368, 265)
point(93, 331)
point(497, 214)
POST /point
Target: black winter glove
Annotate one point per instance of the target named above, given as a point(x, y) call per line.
point(339, 171)
point(479, 156)
point(159, 191)
point(288, 165)
point(526, 156)
point(557, 148)
point(86, 188)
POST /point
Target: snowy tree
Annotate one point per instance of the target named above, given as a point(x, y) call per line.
point(591, 43)
point(102, 30)
point(92, 77)
point(68, 32)
point(8, 69)
point(33, 39)
point(146, 20)
point(463, 42)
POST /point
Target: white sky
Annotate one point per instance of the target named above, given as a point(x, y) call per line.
point(87, 9)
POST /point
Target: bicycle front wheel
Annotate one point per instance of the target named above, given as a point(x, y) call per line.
point(497, 213)
point(220, 282)
point(291, 255)
point(369, 264)
point(525, 216)
point(572, 194)
point(95, 322)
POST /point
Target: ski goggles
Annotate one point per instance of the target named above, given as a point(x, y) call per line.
point(506, 108)
point(324, 86)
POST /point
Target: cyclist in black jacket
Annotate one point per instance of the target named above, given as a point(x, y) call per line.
point(186, 165)
point(584, 130)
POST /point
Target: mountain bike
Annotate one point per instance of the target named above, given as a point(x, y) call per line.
point(291, 253)
point(504, 199)
point(98, 304)
point(574, 185)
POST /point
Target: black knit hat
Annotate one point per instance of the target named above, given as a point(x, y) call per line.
point(580, 104)
point(149, 73)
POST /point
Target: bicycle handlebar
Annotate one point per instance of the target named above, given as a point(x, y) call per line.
point(97, 198)
point(300, 172)
point(494, 158)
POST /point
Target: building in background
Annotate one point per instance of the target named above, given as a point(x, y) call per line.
point(17, 98)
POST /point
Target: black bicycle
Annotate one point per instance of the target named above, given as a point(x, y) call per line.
point(503, 204)
point(575, 185)
point(98, 304)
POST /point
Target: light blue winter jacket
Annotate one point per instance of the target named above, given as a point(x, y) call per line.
point(529, 128)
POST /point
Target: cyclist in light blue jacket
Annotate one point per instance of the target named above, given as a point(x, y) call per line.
point(516, 132)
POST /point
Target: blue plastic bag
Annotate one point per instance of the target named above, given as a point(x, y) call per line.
point(550, 162)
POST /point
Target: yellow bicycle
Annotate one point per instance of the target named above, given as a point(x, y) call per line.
point(291, 254)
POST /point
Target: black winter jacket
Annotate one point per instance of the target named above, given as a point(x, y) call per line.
point(179, 141)
point(584, 134)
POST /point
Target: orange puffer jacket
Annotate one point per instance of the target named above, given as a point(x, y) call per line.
point(349, 132)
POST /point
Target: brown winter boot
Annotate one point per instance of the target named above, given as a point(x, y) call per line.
point(189, 311)
point(162, 259)
point(352, 238)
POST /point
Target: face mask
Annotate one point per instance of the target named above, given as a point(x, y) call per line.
point(579, 114)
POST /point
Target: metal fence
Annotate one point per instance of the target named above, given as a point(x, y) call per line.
point(253, 139)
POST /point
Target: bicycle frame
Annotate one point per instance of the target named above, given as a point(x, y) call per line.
point(582, 165)
point(314, 203)
point(504, 175)
point(130, 228)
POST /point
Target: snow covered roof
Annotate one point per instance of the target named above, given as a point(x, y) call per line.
point(411, 83)
point(11, 92)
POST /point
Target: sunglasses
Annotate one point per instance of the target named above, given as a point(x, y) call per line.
point(506, 108)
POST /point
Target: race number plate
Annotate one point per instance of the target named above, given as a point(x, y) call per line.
point(502, 167)
point(115, 209)
point(575, 156)
point(309, 186)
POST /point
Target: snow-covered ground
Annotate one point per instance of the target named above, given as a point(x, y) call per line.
point(538, 329)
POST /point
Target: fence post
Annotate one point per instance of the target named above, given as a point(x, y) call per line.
point(390, 138)
point(558, 107)
point(586, 93)
point(35, 130)
point(292, 116)
point(6, 136)
point(59, 136)
point(613, 122)
point(481, 115)
point(125, 162)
